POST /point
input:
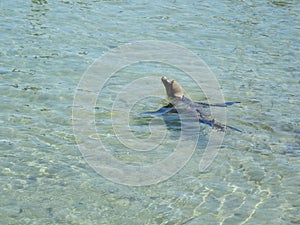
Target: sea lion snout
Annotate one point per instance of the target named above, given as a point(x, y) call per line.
point(173, 89)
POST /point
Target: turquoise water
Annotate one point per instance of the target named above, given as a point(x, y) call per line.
point(252, 48)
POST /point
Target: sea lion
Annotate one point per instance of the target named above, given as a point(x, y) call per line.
point(177, 100)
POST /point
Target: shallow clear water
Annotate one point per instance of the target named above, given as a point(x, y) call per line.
point(252, 47)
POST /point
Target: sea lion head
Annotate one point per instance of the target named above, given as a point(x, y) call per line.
point(172, 87)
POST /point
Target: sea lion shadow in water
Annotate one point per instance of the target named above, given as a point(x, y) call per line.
point(178, 102)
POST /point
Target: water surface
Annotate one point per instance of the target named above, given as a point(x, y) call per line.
point(252, 47)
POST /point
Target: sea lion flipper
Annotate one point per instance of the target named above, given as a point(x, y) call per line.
point(162, 110)
point(231, 103)
point(219, 126)
point(205, 121)
point(233, 128)
point(225, 104)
